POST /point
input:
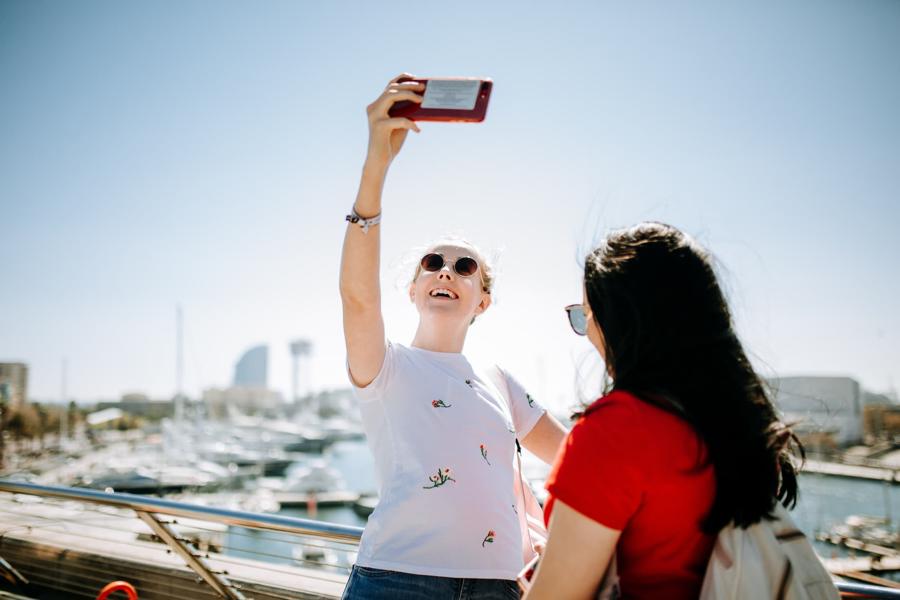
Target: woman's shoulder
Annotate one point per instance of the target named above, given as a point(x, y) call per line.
point(622, 405)
point(608, 415)
point(617, 401)
point(611, 428)
point(638, 428)
point(396, 349)
point(398, 363)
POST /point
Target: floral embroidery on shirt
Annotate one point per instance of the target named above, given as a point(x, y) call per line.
point(484, 454)
point(530, 399)
point(489, 538)
point(442, 477)
point(440, 404)
point(469, 382)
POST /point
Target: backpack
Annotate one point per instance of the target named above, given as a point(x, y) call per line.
point(771, 559)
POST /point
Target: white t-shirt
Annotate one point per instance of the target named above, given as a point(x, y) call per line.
point(444, 445)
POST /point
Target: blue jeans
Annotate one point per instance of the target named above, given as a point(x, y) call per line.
point(376, 584)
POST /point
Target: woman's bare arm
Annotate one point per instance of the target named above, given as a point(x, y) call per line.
point(545, 438)
point(577, 555)
point(360, 261)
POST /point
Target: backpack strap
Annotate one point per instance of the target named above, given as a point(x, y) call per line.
point(529, 502)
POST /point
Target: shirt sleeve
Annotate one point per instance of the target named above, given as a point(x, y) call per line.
point(598, 471)
point(526, 412)
point(377, 387)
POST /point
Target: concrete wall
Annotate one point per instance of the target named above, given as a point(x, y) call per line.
point(824, 404)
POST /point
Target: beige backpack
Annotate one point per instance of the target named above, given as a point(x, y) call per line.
point(771, 559)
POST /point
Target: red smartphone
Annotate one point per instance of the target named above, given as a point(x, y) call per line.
point(448, 99)
point(527, 574)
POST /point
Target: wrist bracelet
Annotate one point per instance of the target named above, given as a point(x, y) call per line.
point(354, 217)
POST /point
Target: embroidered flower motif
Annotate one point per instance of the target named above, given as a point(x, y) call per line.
point(469, 382)
point(484, 454)
point(440, 404)
point(489, 538)
point(530, 399)
point(442, 477)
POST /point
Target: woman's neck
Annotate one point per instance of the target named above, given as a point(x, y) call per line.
point(438, 337)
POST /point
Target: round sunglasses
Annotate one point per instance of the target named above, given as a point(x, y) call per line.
point(464, 266)
point(577, 318)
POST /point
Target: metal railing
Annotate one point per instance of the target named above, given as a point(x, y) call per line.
point(161, 506)
point(862, 591)
point(233, 554)
point(170, 521)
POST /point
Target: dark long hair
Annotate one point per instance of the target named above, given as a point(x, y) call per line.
point(668, 333)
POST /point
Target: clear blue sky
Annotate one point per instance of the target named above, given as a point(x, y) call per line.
point(207, 152)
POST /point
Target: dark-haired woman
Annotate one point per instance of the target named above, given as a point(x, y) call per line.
point(685, 441)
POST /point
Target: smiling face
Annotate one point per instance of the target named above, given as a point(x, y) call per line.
point(444, 294)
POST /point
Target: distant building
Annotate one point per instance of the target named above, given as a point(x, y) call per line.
point(139, 405)
point(13, 384)
point(252, 370)
point(245, 400)
point(826, 410)
point(881, 418)
point(331, 403)
point(301, 350)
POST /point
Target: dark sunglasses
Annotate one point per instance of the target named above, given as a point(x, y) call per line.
point(577, 318)
point(465, 266)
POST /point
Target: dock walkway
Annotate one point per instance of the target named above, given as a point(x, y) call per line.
point(871, 473)
point(61, 546)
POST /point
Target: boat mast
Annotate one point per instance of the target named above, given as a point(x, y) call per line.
point(179, 366)
point(64, 393)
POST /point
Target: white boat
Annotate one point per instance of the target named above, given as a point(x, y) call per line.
point(867, 529)
point(258, 501)
point(312, 477)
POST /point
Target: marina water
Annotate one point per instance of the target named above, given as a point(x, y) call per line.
point(823, 502)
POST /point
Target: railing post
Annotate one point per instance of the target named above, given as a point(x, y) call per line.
point(11, 570)
point(217, 581)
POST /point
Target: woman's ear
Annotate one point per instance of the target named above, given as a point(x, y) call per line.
point(412, 293)
point(484, 304)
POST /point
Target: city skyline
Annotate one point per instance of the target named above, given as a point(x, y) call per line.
point(206, 154)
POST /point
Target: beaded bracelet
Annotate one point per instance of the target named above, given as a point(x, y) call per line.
point(364, 223)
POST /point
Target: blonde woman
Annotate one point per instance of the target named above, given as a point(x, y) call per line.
point(443, 432)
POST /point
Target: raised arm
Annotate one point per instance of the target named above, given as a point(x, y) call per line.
point(360, 282)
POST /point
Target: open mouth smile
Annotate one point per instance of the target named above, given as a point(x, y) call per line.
point(443, 293)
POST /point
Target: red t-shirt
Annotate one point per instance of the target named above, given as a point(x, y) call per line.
point(641, 470)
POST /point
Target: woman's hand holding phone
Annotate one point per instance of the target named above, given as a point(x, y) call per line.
point(448, 99)
point(386, 133)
